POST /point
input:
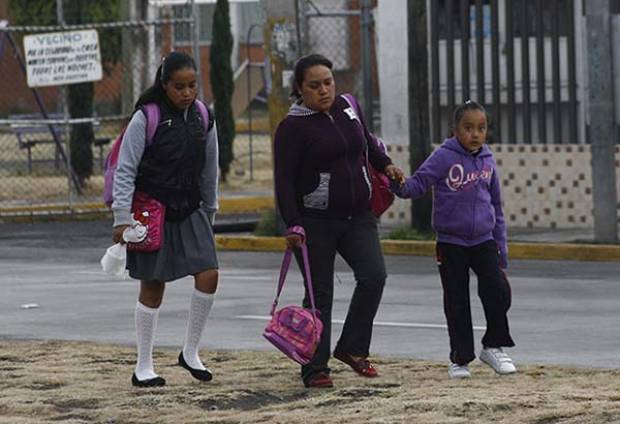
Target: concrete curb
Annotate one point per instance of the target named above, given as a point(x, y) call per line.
point(228, 205)
point(539, 251)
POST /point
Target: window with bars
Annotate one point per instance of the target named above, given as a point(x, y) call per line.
point(205, 13)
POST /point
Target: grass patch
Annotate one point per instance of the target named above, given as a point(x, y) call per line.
point(267, 226)
point(408, 233)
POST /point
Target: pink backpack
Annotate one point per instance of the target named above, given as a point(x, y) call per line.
point(294, 330)
point(152, 112)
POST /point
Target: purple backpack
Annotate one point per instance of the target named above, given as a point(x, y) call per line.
point(152, 112)
point(294, 330)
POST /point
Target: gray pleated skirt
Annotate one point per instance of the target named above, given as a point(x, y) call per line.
point(188, 248)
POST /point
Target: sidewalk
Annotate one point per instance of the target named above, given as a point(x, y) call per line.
point(240, 211)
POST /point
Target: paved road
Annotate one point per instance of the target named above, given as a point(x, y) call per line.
point(563, 312)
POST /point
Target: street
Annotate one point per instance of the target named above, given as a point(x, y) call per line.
point(563, 312)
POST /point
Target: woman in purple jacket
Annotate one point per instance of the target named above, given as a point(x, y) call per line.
point(471, 233)
point(323, 192)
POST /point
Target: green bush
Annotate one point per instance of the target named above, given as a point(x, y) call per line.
point(408, 233)
point(267, 225)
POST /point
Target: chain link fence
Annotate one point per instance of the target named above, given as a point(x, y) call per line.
point(54, 139)
point(344, 32)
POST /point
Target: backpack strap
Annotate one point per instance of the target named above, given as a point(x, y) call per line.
point(352, 103)
point(204, 114)
point(153, 114)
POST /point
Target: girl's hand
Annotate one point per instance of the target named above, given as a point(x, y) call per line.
point(117, 233)
point(395, 174)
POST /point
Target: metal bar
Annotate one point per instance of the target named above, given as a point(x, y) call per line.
point(540, 73)
point(555, 57)
point(366, 28)
point(100, 25)
point(436, 118)
point(341, 14)
point(572, 70)
point(497, 116)
point(525, 73)
point(249, 92)
point(450, 60)
point(195, 31)
point(464, 15)
point(57, 141)
point(480, 51)
point(510, 71)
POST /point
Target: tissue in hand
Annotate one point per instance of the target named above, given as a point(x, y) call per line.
point(136, 232)
point(114, 260)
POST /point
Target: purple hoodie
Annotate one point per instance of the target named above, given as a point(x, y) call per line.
point(467, 204)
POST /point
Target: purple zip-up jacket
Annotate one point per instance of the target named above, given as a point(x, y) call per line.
point(320, 167)
point(467, 204)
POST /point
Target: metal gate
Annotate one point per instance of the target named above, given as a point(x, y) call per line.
point(518, 57)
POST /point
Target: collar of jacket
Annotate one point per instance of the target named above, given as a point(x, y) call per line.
point(299, 109)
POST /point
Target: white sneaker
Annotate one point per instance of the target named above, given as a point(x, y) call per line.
point(497, 359)
point(458, 371)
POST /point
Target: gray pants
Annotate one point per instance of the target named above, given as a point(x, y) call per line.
point(357, 241)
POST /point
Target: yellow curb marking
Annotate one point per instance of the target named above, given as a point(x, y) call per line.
point(539, 251)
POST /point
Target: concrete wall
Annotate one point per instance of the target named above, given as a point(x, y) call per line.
point(391, 28)
point(543, 186)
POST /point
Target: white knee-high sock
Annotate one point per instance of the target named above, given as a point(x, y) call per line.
point(200, 306)
point(146, 323)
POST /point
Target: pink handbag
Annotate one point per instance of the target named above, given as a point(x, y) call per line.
point(294, 330)
point(151, 213)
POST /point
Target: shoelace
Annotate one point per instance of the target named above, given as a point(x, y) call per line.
point(500, 355)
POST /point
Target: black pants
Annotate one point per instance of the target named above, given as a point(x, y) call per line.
point(493, 288)
point(357, 241)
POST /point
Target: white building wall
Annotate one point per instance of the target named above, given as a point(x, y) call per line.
point(391, 28)
point(391, 33)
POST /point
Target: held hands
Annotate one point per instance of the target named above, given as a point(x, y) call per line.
point(395, 174)
point(117, 233)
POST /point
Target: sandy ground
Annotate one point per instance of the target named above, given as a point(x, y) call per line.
point(77, 382)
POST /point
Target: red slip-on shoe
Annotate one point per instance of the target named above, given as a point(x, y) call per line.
point(319, 380)
point(361, 366)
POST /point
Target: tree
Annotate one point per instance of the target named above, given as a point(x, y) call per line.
point(80, 96)
point(419, 133)
point(222, 84)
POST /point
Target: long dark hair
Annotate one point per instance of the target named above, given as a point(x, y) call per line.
point(169, 65)
point(460, 110)
point(302, 65)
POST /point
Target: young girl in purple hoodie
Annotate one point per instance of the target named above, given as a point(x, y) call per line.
point(471, 233)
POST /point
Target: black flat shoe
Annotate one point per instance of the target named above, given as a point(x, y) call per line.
point(202, 375)
point(151, 382)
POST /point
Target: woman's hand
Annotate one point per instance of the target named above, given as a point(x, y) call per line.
point(294, 241)
point(117, 233)
point(395, 173)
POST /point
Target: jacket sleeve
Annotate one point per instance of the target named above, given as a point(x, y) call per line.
point(425, 177)
point(130, 155)
point(209, 175)
point(499, 231)
point(376, 149)
point(288, 150)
